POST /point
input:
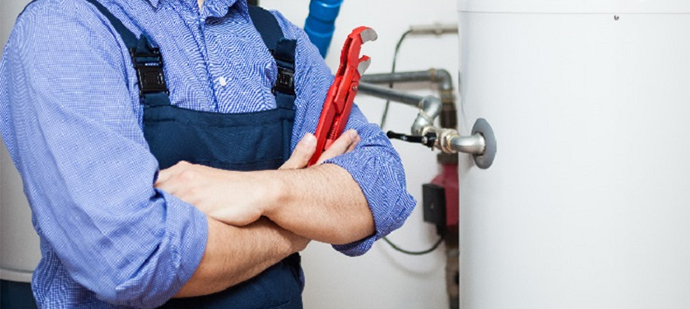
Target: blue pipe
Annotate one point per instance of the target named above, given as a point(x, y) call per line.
point(320, 23)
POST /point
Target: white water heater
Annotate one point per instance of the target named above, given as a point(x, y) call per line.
point(587, 203)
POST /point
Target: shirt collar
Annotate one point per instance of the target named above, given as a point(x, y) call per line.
point(219, 8)
point(216, 7)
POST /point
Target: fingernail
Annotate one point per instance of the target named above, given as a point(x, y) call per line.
point(353, 134)
point(309, 139)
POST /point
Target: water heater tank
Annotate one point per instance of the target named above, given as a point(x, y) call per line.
point(587, 204)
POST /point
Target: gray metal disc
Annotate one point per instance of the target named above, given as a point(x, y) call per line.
point(482, 127)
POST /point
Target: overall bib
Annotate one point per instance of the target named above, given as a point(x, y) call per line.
point(242, 142)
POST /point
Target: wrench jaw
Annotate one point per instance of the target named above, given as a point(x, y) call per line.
point(364, 63)
point(353, 46)
point(368, 35)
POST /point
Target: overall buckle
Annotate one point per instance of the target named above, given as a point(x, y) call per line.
point(285, 81)
point(149, 67)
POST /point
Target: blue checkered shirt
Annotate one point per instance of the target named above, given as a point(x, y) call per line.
point(72, 122)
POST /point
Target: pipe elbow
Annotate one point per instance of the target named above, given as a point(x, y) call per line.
point(473, 144)
point(442, 78)
point(429, 109)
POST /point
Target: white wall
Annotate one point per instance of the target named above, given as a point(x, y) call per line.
point(384, 278)
point(9, 9)
point(20, 253)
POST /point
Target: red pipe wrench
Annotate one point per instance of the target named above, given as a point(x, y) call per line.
point(338, 104)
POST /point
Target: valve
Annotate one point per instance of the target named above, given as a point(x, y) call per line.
point(481, 144)
point(428, 139)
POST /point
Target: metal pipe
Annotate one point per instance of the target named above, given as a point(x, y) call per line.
point(440, 77)
point(429, 109)
point(450, 141)
point(474, 144)
point(384, 78)
point(481, 144)
point(449, 117)
point(390, 94)
point(429, 106)
point(436, 29)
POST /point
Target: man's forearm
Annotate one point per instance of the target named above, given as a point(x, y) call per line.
point(323, 203)
point(235, 254)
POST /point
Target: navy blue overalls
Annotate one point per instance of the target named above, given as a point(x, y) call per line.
point(246, 141)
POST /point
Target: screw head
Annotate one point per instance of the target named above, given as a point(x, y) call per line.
point(616, 17)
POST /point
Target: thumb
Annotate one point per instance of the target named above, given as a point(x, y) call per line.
point(344, 144)
point(302, 153)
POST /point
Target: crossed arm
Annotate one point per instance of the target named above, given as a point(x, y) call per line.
point(88, 173)
point(286, 207)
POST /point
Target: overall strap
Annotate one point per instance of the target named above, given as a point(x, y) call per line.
point(147, 60)
point(283, 51)
point(267, 25)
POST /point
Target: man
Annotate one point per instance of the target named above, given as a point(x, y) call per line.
point(92, 128)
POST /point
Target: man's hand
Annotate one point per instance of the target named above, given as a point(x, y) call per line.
point(228, 196)
point(307, 145)
point(240, 198)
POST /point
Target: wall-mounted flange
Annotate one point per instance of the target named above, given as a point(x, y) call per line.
point(485, 159)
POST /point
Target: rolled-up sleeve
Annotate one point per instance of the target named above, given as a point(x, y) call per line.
point(374, 164)
point(376, 167)
point(72, 125)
